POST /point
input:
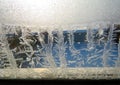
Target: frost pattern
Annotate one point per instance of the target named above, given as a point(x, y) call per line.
point(20, 47)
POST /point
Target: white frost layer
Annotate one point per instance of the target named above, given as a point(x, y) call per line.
point(58, 11)
point(61, 73)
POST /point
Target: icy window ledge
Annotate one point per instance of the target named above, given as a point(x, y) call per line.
point(61, 73)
